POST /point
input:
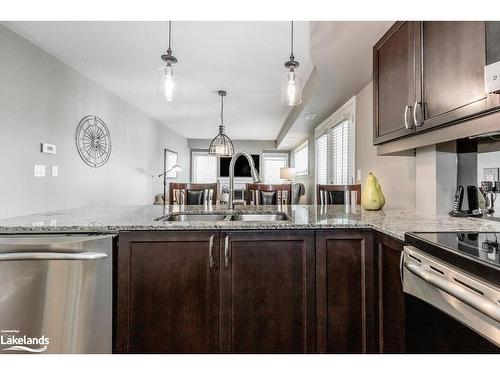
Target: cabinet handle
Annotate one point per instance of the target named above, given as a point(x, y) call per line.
point(415, 121)
point(211, 261)
point(407, 126)
point(401, 265)
point(226, 252)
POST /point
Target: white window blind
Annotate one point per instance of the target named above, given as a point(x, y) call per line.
point(335, 147)
point(204, 167)
point(322, 159)
point(341, 158)
point(271, 165)
point(302, 159)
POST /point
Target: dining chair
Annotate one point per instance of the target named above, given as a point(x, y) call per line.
point(192, 194)
point(335, 194)
point(298, 190)
point(268, 194)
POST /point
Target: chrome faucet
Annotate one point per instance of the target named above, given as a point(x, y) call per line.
point(253, 172)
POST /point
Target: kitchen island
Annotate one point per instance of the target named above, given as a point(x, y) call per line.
point(323, 280)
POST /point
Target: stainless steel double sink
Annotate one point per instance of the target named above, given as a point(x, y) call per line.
point(240, 217)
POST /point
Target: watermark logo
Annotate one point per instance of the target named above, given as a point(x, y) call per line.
point(22, 343)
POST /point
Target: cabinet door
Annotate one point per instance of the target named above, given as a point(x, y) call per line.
point(345, 292)
point(451, 60)
point(391, 306)
point(268, 292)
point(167, 292)
point(394, 83)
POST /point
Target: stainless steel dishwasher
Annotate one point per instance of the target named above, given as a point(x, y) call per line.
point(56, 293)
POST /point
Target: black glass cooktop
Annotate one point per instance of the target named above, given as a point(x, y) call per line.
point(482, 246)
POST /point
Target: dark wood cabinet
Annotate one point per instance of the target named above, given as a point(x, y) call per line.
point(345, 292)
point(391, 301)
point(429, 74)
point(167, 292)
point(271, 291)
point(268, 292)
point(451, 59)
point(394, 82)
point(209, 292)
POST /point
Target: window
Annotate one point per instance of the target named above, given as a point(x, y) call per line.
point(171, 158)
point(302, 159)
point(339, 144)
point(271, 165)
point(321, 159)
point(335, 147)
point(203, 167)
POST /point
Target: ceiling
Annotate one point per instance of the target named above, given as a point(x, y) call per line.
point(244, 58)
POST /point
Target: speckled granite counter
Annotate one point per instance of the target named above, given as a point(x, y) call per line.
point(394, 222)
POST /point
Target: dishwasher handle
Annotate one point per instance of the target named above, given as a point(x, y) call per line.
point(475, 301)
point(88, 255)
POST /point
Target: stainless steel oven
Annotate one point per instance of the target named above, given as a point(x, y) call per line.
point(447, 310)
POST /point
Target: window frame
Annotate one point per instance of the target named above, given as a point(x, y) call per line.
point(304, 145)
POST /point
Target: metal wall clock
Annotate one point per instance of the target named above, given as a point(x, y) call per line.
point(93, 141)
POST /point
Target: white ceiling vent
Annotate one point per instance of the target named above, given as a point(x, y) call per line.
point(311, 116)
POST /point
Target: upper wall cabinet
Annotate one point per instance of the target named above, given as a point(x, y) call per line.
point(394, 82)
point(445, 68)
point(451, 64)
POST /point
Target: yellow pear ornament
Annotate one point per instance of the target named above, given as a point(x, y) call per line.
point(372, 197)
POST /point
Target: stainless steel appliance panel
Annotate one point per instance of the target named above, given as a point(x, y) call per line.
point(464, 297)
point(56, 293)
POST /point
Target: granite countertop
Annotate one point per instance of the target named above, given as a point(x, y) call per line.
point(394, 222)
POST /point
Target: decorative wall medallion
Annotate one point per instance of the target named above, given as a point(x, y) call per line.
point(93, 141)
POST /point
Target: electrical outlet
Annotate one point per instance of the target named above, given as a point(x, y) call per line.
point(55, 171)
point(39, 170)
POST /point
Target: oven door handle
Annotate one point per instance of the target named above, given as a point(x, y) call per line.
point(89, 255)
point(470, 298)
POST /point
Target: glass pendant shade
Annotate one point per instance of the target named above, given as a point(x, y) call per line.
point(166, 83)
point(221, 145)
point(291, 88)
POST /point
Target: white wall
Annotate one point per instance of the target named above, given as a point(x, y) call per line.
point(396, 174)
point(42, 100)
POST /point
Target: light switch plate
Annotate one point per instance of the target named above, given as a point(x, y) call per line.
point(39, 170)
point(492, 77)
point(359, 175)
point(55, 171)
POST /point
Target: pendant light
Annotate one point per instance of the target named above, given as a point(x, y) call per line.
point(221, 145)
point(166, 84)
point(291, 84)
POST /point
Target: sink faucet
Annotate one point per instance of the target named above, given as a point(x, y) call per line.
point(253, 172)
